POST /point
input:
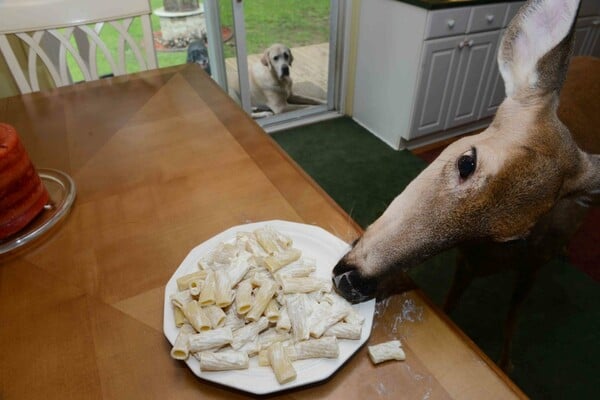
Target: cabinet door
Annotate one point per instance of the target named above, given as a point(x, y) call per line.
point(438, 65)
point(474, 65)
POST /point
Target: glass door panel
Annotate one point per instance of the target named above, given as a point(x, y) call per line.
point(259, 74)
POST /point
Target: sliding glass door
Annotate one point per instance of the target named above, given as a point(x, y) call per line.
point(245, 61)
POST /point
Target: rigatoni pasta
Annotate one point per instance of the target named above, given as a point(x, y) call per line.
point(210, 340)
point(243, 298)
point(257, 297)
point(386, 351)
point(223, 361)
point(181, 350)
point(197, 316)
point(281, 364)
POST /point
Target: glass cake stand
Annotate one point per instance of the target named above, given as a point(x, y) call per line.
point(61, 189)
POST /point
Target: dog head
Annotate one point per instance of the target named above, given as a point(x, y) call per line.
point(279, 59)
point(197, 52)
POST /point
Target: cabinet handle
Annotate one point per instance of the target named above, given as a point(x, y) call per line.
point(451, 23)
point(489, 18)
point(468, 43)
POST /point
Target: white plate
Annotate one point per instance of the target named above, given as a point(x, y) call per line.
point(314, 242)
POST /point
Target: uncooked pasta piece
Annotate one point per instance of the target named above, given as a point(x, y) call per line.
point(344, 330)
point(196, 316)
point(270, 336)
point(283, 323)
point(223, 292)
point(386, 351)
point(243, 297)
point(263, 296)
point(248, 332)
point(183, 282)
point(298, 309)
point(272, 311)
point(323, 317)
point(223, 360)
point(179, 317)
point(304, 284)
point(281, 364)
point(180, 350)
point(325, 347)
point(238, 268)
point(207, 295)
point(196, 287)
point(267, 239)
point(211, 339)
point(179, 299)
point(281, 259)
point(216, 315)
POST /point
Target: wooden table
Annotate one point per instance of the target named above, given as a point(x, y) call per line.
point(162, 161)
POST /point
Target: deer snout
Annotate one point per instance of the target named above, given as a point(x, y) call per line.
point(351, 285)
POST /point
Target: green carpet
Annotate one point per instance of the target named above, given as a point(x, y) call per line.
point(556, 354)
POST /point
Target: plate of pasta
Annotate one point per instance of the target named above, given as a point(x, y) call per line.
point(253, 308)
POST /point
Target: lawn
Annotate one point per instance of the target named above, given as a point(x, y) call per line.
point(292, 22)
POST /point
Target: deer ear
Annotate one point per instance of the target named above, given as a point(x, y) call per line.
point(585, 186)
point(535, 50)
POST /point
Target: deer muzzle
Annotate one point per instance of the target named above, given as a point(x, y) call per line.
point(351, 285)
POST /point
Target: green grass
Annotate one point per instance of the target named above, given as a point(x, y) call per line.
point(292, 22)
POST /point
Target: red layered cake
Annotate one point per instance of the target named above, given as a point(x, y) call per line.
point(22, 194)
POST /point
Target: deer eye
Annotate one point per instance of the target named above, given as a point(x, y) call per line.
point(467, 163)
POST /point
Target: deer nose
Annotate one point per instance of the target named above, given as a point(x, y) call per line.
point(351, 285)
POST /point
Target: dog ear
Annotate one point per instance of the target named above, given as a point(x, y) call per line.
point(291, 57)
point(264, 59)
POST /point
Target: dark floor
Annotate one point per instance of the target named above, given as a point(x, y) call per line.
point(556, 352)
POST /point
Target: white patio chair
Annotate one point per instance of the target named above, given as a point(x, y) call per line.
point(52, 31)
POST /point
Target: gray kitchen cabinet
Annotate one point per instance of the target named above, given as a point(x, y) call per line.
point(477, 54)
point(440, 58)
point(421, 73)
point(455, 73)
point(415, 85)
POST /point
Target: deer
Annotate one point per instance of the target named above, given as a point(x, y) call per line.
point(508, 197)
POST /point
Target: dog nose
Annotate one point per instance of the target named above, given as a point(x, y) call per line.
point(285, 70)
point(351, 285)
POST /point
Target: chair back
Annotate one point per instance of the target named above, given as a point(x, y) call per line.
point(62, 36)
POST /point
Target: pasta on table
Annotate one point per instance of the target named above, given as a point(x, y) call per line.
point(258, 297)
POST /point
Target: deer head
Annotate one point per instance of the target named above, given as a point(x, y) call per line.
point(495, 185)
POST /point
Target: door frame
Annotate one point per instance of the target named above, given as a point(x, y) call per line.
point(339, 33)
